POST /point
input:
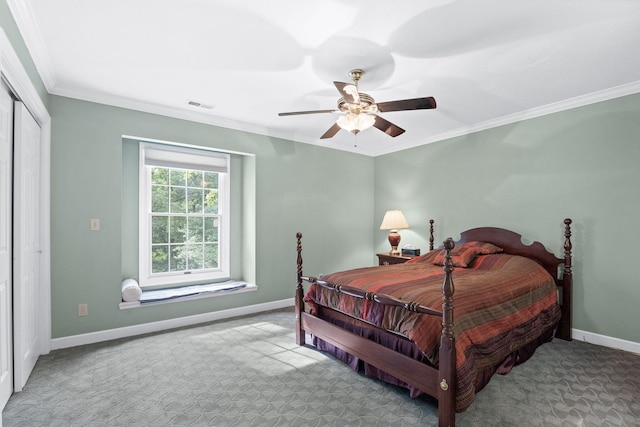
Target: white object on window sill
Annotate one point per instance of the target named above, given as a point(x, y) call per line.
point(131, 291)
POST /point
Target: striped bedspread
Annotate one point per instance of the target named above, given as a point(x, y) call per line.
point(501, 302)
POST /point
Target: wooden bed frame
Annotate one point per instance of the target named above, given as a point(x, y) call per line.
point(441, 382)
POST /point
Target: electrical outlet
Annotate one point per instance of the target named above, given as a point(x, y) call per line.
point(95, 224)
point(83, 310)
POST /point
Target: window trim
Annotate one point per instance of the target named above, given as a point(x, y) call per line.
point(181, 157)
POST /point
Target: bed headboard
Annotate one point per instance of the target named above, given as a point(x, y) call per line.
point(512, 244)
point(559, 268)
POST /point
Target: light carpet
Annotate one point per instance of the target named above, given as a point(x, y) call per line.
point(249, 372)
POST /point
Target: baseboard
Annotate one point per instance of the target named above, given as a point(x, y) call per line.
point(145, 328)
point(606, 341)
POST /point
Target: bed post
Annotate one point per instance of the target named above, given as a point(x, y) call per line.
point(300, 334)
point(447, 355)
point(564, 331)
point(430, 235)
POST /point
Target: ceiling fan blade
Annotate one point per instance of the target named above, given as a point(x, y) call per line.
point(295, 113)
point(331, 132)
point(388, 127)
point(348, 91)
point(408, 104)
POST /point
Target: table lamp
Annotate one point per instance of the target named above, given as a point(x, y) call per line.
point(393, 221)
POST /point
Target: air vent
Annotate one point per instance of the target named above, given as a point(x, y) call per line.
point(200, 105)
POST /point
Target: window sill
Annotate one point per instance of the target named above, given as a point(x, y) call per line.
point(247, 287)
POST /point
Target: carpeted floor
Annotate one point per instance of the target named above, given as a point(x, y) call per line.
point(249, 372)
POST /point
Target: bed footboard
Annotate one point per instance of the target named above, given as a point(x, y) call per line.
point(439, 383)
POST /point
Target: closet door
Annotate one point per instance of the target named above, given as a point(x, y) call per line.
point(26, 240)
point(6, 195)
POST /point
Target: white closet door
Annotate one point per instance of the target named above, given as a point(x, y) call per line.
point(6, 194)
point(26, 240)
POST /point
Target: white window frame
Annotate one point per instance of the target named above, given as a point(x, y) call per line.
point(182, 158)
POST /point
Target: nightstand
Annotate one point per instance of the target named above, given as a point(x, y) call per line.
point(386, 259)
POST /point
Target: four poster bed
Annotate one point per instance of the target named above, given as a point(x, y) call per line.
point(397, 322)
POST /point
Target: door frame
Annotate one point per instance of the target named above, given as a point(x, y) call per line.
point(16, 77)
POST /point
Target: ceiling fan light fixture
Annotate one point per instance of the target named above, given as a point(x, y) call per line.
point(356, 122)
point(361, 110)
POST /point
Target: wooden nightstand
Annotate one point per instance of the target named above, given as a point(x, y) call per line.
point(386, 259)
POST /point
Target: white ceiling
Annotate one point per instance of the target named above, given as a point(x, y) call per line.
point(487, 62)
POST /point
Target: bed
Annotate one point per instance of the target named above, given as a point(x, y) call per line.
point(397, 322)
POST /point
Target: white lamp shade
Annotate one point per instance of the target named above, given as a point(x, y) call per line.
point(394, 220)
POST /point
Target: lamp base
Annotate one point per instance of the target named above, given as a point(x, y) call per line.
point(394, 241)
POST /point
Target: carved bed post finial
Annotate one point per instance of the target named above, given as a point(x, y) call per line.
point(299, 299)
point(567, 246)
point(299, 260)
point(430, 234)
point(447, 290)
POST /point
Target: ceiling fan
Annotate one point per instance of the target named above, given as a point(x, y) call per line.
point(361, 109)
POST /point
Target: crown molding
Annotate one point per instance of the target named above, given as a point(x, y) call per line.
point(198, 117)
point(148, 107)
point(556, 107)
point(193, 116)
point(30, 32)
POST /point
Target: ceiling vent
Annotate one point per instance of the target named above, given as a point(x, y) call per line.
point(200, 105)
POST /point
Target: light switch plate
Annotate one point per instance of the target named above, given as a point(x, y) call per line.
point(83, 310)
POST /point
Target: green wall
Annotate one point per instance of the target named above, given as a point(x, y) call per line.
point(528, 177)
point(299, 187)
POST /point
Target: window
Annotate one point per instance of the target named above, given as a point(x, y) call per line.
point(184, 215)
